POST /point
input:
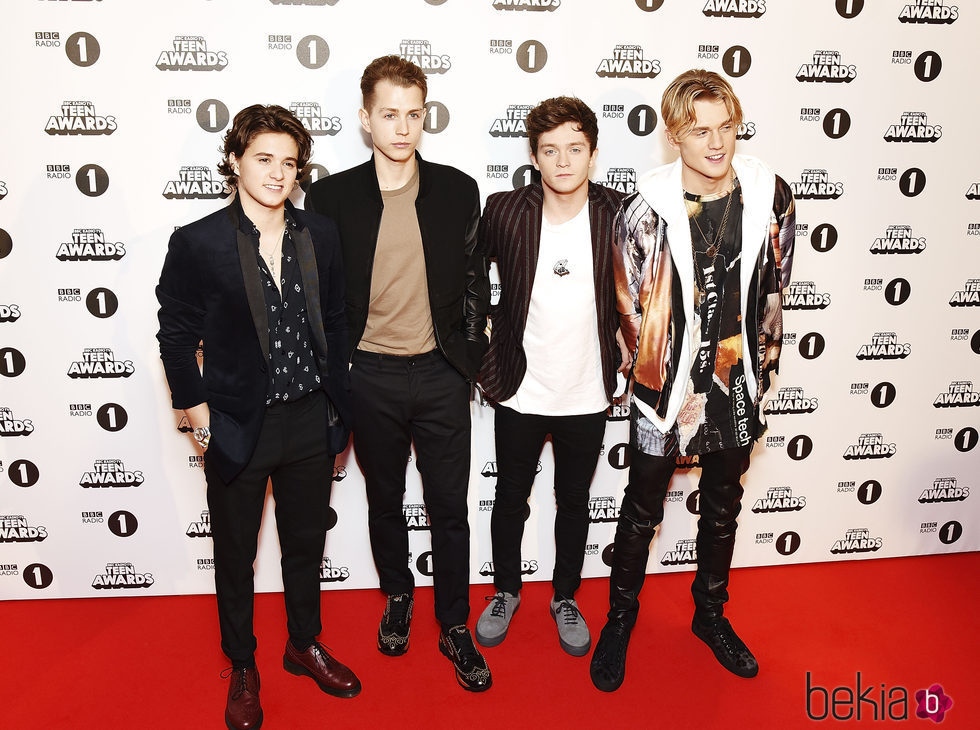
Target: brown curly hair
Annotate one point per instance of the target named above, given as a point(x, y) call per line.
point(253, 121)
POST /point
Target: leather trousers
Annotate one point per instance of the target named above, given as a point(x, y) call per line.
point(643, 509)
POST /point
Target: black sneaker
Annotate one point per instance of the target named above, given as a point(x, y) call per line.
point(396, 624)
point(608, 667)
point(730, 650)
point(472, 671)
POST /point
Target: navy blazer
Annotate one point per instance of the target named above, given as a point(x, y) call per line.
point(210, 291)
point(510, 230)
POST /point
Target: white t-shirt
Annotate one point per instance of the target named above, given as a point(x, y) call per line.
point(561, 340)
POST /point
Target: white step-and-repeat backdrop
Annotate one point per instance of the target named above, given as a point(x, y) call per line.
point(114, 114)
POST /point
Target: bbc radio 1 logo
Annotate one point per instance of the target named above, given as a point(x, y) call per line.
point(122, 575)
point(603, 509)
point(100, 302)
point(779, 499)
point(884, 346)
point(622, 179)
point(856, 540)
point(201, 527)
point(960, 394)
point(329, 573)
point(497, 172)
point(195, 182)
point(9, 313)
point(968, 296)
point(16, 528)
point(90, 244)
point(870, 446)
point(528, 567)
point(685, 552)
point(313, 119)
point(79, 118)
point(416, 517)
point(815, 184)
point(541, 6)
point(913, 127)
point(898, 239)
point(791, 400)
point(803, 295)
point(944, 489)
point(734, 8)
point(100, 362)
point(513, 123)
point(11, 427)
point(420, 53)
point(935, 12)
point(868, 493)
point(949, 533)
point(628, 62)
point(110, 473)
point(826, 67)
point(190, 53)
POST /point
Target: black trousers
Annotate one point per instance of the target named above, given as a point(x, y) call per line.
point(420, 398)
point(519, 437)
point(643, 509)
point(292, 452)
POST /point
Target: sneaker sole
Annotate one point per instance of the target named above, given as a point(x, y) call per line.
point(574, 650)
point(492, 641)
point(459, 681)
point(300, 671)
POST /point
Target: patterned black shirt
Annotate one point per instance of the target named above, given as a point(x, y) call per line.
point(293, 369)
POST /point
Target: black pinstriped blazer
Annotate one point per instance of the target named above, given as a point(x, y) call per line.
point(510, 230)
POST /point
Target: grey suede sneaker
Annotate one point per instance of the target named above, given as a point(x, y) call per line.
point(492, 627)
point(573, 634)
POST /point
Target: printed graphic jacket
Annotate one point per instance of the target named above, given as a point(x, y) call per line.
point(655, 281)
point(456, 269)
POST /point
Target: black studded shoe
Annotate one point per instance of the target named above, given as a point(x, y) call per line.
point(472, 671)
point(396, 623)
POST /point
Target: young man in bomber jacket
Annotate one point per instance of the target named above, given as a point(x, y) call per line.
point(706, 245)
point(417, 298)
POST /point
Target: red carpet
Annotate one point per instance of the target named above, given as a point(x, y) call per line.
point(904, 624)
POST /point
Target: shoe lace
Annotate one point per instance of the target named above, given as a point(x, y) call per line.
point(397, 608)
point(569, 612)
point(499, 607)
point(727, 636)
point(615, 649)
point(463, 644)
point(242, 685)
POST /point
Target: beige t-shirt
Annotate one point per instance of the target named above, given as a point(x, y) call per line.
point(399, 320)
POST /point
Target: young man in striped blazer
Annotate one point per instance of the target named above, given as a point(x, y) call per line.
point(551, 366)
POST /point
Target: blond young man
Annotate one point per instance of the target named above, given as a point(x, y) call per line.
point(705, 247)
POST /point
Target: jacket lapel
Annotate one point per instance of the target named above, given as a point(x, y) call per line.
point(253, 289)
point(306, 259)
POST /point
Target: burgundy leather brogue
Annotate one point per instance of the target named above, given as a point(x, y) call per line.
point(329, 674)
point(243, 711)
